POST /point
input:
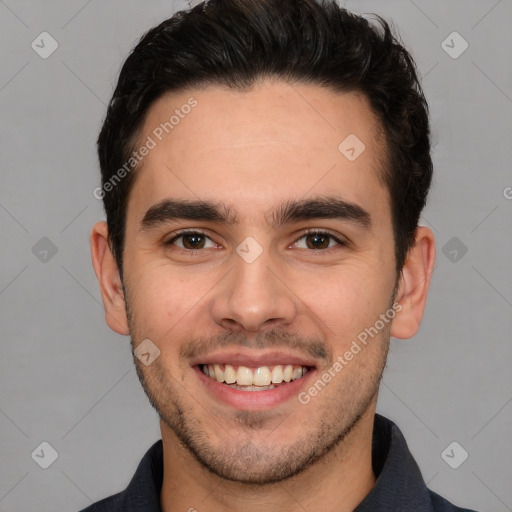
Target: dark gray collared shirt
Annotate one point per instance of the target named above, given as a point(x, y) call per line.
point(399, 487)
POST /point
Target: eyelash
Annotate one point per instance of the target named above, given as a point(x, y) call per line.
point(314, 231)
point(182, 234)
point(304, 234)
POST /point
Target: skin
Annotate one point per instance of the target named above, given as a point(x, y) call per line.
point(253, 151)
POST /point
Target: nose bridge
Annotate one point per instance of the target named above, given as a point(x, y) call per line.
point(253, 295)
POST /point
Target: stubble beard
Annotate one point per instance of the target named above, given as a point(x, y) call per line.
point(251, 461)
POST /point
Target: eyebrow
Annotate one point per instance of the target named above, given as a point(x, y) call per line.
point(176, 209)
point(324, 207)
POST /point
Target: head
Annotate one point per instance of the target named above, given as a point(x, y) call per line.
point(271, 218)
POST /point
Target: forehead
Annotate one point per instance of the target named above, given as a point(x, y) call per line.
point(250, 149)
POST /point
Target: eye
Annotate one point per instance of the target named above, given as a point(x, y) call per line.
point(317, 240)
point(192, 240)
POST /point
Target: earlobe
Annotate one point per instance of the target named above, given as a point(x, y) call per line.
point(414, 284)
point(107, 272)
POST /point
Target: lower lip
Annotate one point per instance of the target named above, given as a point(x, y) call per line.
point(253, 400)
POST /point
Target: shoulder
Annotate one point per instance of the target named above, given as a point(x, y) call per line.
point(143, 491)
point(113, 503)
point(440, 504)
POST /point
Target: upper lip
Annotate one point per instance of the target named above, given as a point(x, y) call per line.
point(240, 357)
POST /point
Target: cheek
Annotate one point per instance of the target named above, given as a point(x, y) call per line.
point(166, 302)
point(347, 303)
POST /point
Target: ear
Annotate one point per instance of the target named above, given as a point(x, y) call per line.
point(106, 270)
point(414, 285)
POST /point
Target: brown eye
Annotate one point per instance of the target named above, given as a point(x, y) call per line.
point(194, 241)
point(191, 241)
point(317, 241)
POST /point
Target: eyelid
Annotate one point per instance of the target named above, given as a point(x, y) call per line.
point(319, 231)
point(185, 231)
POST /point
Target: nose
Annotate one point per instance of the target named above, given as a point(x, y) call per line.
point(254, 297)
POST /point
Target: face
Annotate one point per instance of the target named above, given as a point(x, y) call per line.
point(256, 253)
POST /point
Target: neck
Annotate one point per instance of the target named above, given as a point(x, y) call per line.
point(338, 481)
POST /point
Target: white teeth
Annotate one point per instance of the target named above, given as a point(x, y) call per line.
point(244, 376)
point(260, 378)
point(253, 388)
point(229, 374)
point(297, 373)
point(219, 374)
point(277, 374)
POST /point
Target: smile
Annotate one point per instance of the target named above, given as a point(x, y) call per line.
point(250, 380)
point(261, 378)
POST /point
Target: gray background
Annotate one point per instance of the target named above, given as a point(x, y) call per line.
point(68, 380)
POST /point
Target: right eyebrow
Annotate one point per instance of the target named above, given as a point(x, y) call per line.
point(173, 209)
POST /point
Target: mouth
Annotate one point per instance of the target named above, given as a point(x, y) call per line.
point(261, 378)
point(248, 381)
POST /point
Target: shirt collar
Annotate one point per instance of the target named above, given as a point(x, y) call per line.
point(143, 491)
point(399, 486)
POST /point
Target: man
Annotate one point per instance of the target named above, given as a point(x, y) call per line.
point(264, 166)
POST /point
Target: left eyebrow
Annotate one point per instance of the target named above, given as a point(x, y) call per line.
point(324, 207)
